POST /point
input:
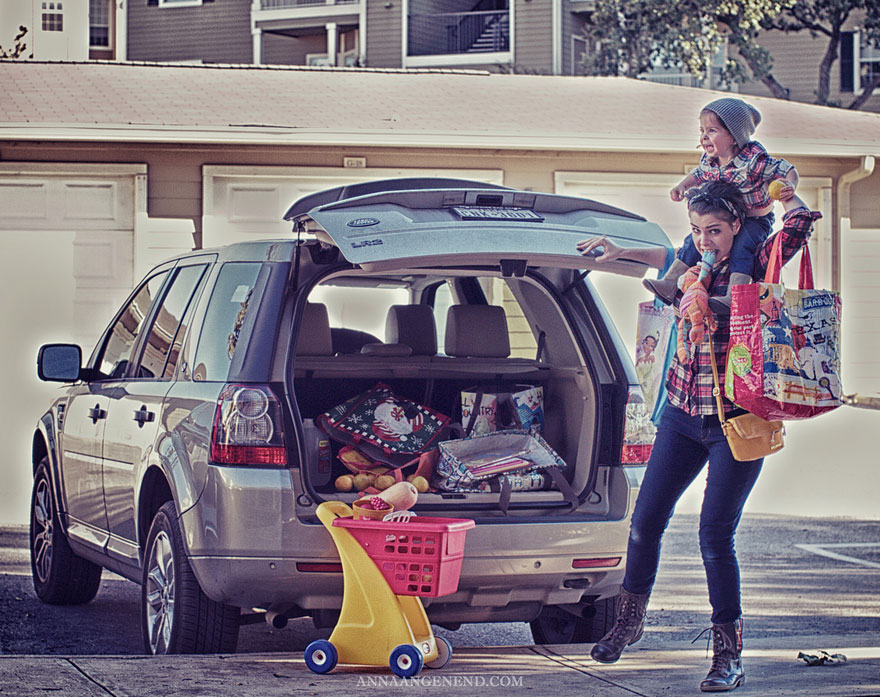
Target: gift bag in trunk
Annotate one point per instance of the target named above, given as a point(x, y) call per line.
point(466, 463)
point(783, 360)
point(385, 427)
point(500, 407)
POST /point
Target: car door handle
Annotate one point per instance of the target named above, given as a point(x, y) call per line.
point(143, 416)
point(96, 413)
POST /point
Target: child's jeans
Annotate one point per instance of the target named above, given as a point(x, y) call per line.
point(742, 255)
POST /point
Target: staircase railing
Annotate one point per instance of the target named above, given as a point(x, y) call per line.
point(458, 32)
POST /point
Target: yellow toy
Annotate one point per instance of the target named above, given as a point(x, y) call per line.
point(386, 566)
point(775, 188)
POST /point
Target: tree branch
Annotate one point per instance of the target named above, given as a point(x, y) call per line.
point(859, 101)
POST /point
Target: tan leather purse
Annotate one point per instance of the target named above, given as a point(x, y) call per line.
point(750, 437)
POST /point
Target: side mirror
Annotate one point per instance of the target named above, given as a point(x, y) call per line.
point(59, 362)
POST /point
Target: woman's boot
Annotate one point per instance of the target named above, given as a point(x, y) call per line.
point(727, 671)
point(628, 627)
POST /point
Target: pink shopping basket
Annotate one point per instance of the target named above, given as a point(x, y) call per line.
point(419, 557)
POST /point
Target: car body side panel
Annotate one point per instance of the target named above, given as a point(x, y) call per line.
point(128, 446)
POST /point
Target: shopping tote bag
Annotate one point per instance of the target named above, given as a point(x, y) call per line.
point(655, 333)
point(783, 360)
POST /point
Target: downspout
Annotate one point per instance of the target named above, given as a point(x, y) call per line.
point(362, 35)
point(865, 169)
point(256, 35)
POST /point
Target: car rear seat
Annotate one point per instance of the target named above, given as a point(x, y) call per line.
point(476, 342)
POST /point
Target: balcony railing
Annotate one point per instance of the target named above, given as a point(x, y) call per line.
point(458, 32)
point(285, 4)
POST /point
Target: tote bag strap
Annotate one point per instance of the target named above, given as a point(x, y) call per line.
point(717, 389)
point(774, 266)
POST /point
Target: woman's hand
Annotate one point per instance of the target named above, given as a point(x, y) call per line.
point(600, 249)
point(677, 194)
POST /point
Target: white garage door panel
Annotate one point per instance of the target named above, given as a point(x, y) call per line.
point(66, 203)
point(248, 202)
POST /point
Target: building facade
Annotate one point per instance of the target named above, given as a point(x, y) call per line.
point(66, 29)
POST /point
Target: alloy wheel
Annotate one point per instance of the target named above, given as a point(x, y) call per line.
point(41, 524)
point(160, 593)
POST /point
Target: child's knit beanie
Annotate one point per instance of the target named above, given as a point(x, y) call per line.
point(739, 118)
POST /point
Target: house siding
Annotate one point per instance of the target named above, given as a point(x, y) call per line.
point(384, 35)
point(288, 50)
point(796, 59)
point(533, 40)
point(215, 32)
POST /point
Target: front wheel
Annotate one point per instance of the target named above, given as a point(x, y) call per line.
point(321, 656)
point(444, 653)
point(60, 576)
point(176, 615)
point(406, 661)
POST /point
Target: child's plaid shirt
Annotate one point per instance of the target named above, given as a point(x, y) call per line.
point(750, 172)
point(690, 385)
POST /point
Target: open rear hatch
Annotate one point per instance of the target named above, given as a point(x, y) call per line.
point(455, 229)
point(472, 226)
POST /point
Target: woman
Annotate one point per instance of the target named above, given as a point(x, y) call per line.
point(688, 435)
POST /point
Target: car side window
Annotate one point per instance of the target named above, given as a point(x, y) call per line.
point(114, 358)
point(167, 322)
point(224, 317)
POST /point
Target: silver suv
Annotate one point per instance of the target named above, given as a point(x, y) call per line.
point(183, 454)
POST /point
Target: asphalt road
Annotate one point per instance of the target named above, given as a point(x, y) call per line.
point(801, 576)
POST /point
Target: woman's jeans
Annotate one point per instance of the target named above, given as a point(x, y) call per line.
point(681, 448)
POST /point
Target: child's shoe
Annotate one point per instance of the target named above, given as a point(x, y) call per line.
point(720, 304)
point(664, 288)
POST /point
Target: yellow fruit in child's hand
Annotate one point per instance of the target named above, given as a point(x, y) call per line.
point(383, 481)
point(344, 482)
point(774, 189)
point(361, 481)
point(420, 483)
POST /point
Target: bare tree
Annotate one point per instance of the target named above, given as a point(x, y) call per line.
point(20, 45)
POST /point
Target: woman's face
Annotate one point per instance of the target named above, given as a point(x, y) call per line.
point(712, 232)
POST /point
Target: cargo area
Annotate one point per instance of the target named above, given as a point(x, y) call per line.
point(430, 337)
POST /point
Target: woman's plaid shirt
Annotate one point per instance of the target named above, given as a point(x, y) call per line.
point(690, 384)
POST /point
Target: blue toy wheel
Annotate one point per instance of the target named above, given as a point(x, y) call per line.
point(406, 661)
point(444, 653)
point(321, 656)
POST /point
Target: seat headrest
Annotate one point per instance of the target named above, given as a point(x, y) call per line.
point(314, 336)
point(392, 350)
point(478, 331)
point(414, 326)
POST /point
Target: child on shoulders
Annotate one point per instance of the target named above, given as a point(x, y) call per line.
point(729, 154)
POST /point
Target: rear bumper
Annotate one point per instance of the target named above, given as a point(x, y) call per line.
point(245, 542)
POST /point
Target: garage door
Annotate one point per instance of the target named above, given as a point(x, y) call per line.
point(66, 262)
point(249, 202)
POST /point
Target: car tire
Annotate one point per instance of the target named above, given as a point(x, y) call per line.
point(176, 615)
point(60, 576)
point(557, 626)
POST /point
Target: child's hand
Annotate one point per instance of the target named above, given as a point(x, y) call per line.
point(677, 194)
point(780, 189)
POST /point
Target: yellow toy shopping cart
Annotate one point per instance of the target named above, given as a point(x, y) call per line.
point(387, 566)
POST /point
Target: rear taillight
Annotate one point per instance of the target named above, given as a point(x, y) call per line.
point(638, 429)
point(247, 427)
